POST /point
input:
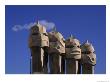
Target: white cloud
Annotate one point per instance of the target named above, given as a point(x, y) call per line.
point(48, 25)
point(23, 27)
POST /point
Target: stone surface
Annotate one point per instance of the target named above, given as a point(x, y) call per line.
point(51, 53)
point(87, 69)
point(56, 42)
point(73, 54)
point(36, 59)
point(38, 36)
point(88, 58)
point(71, 66)
point(73, 48)
point(54, 63)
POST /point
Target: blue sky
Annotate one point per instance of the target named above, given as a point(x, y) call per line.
point(84, 22)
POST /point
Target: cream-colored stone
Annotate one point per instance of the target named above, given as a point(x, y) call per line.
point(38, 36)
point(56, 42)
point(88, 53)
point(73, 48)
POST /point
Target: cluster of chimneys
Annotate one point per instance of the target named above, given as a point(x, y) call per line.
point(52, 54)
